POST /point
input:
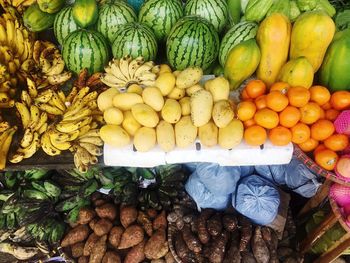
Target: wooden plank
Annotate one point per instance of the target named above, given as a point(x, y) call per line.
point(280, 221)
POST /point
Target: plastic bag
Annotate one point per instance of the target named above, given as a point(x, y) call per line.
point(257, 199)
point(202, 196)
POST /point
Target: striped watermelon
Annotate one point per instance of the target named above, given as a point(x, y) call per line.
point(111, 16)
point(237, 34)
point(215, 11)
point(135, 39)
point(193, 41)
point(161, 16)
point(85, 49)
point(64, 24)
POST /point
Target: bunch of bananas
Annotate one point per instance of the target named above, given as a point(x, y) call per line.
point(6, 135)
point(122, 72)
point(7, 92)
point(19, 5)
point(50, 230)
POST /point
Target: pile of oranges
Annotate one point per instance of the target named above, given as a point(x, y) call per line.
point(285, 114)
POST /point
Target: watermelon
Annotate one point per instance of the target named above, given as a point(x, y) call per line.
point(64, 24)
point(111, 16)
point(215, 11)
point(237, 34)
point(161, 16)
point(85, 49)
point(193, 41)
point(135, 39)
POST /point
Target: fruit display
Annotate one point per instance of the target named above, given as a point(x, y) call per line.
point(64, 24)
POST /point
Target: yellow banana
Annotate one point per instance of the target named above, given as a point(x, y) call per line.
point(62, 146)
point(117, 71)
point(5, 146)
point(56, 101)
point(47, 146)
point(34, 113)
point(5, 86)
point(50, 109)
point(62, 96)
point(92, 104)
point(69, 127)
point(94, 125)
point(84, 130)
point(4, 125)
point(91, 133)
point(90, 97)
point(84, 112)
point(57, 66)
point(91, 148)
point(60, 78)
point(74, 108)
point(72, 94)
point(8, 104)
point(17, 157)
point(19, 42)
point(124, 66)
point(11, 33)
point(61, 137)
point(133, 65)
point(27, 138)
point(83, 155)
point(91, 139)
point(43, 128)
point(4, 97)
point(24, 113)
point(32, 148)
point(3, 35)
point(42, 120)
point(33, 92)
point(44, 97)
point(25, 97)
point(79, 164)
point(81, 94)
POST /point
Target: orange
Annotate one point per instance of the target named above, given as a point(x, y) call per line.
point(322, 129)
point(298, 96)
point(255, 88)
point(327, 159)
point(340, 100)
point(300, 133)
point(280, 136)
point(289, 116)
point(322, 114)
point(276, 101)
point(244, 95)
point(326, 106)
point(280, 86)
point(320, 147)
point(310, 113)
point(266, 118)
point(255, 135)
point(337, 142)
point(249, 123)
point(319, 94)
point(332, 114)
point(309, 145)
point(260, 102)
point(246, 110)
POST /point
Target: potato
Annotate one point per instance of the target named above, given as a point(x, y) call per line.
point(132, 236)
point(169, 258)
point(160, 222)
point(165, 83)
point(86, 214)
point(157, 247)
point(124, 101)
point(90, 243)
point(75, 235)
point(99, 250)
point(189, 77)
point(113, 115)
point(193, 89)
point(128, 215)
point(111, 257)
point(145, 115)
point(77, 250)
point(185, 132)
point(208, 134)
point(105, 99)
point(92, 223)
point(219, 88)
point(99, 202)
point(114, 135)
point(83, 260)
point(231, 135)
point(145, 139)
point(165, 136)
point(176, 73)
point(136, 254)
point(153, 97)
point(135, 88)
point(185, 103)
point(222, 113)
point(115, 235)
point(164, 68)
point(171, 111)
point(177, 93)
point(102, 227)
point(107, 211)
point(130, 124)
point(201, 107)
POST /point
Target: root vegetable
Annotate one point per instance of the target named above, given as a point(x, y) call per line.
point(99, 250)
point(77, 250)
point(203, 233)
point(180, 246)
point(259, 247)
point(271, 241)
point(191, 240)
point(246, 233)
point(132, 236)
point(230, 222)
point(85, 215)
point(102, 227)
point(247, 257)
point(156, 247)
point(92, 223)
point(218, 249)
point(160, 221)
point(152, 213)
point(144, 220)
point(115, 235)
point(136, 254)
point(233, 255)
point(158, 261)
point(107, 211)
point(83, 259)
point(111, 257)
point(214, 225)
point(99, 202)
point(75, 235)
point(128, 215)
point(169, 258)
point(90, 243)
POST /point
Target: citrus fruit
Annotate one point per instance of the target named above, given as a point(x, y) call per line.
point(260, 102)
point(246, 110)
point(298, 96)
point(280, 86)
point(249, 123)
point(255, 88)
point(322, 129)
point(266, 118)
point(255, 135)
point(332, 114)
point(309, 145)
point(340, 100)
point(327, 159)
point(310, 113)
point(280, 136)
point(300, 133)
point(319, 94)
point(337, 142)
point(276, 101)
point(289, 116)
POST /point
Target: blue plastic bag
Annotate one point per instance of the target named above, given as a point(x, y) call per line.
point(257, 199)
point(203, 197)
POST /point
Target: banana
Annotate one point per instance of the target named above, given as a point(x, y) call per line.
point(8, 104)
point(62, 146)
point(19, 42)
point(33, 92)
point(91, 148)
point(5, 86)
point(109, 78)
point(44, 97)
point(147, 76)
point(38, 47)
point(32, 148)
point(56, 101)
point(21, 253)
point(60, 78)
point(11, 33)
point(124, 66)
point(133, 65)
point(61, 137)
point(62, 96)
point(27, 138)
point(17, 157)
point(4, 97)
point(72, 94)
point(69, 127)
point(74, 108)
point(94, 125)
point(44, 64)
point(52, 189)
point(47, 146)
point(83, 155)
point(92, 140)
point(43, 128)
point(28, 65)
point(4, 125)
point(35, 194)
point(24, 113)
point(112, 84)
point(84, 112)
point(84, 129)
point(25, 97)
point(156, 69)
point(50, 109)
point(5, 145)
point(117, 71)
point(57, 66)
point(42, 120)
point(3, 35)
point(92, 104)
point(142, 69)
point(147, 83)
point(99, 119)
point(81, 94)
point(34, 113)
point(91, 133)
point(90, 97)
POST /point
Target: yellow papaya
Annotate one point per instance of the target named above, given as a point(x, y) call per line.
point(297, 72)
point(241, 63)
point(273, 38)
point(312, 33)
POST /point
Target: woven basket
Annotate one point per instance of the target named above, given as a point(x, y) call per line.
point(336, 211)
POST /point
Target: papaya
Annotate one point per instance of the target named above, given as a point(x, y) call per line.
point(273, 38)
point(297, 72)
point(50, 6)
point(334, 72)
point(85, 12)
point(241, 63)
point(36, 20)
point(312, 33)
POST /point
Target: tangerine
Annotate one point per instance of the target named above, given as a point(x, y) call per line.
point(326, 106)
point(249, 123)
point(289, 116)
point(337, 142)
point(276, 101)
point(332, 114)
point(298, 96)
point(300, 133)
point(322, 114)
point(320, 147)
point(246, 110)
point(309, 145)
point(340, 100)
point(310, 113)
point(260, 102)
point(322, 129)
point(255, 88)
point(255, 135)
point(280, 136)
point(266, 118)
point(244, 95)
point(319, 94)
point(280, 86)
point(327, 159)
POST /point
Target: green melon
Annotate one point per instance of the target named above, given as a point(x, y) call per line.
point(64, 24)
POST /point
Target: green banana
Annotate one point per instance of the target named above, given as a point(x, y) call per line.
point(56, 233)
point(11, 220)
point(35, 174)
point(89, 188)
point(68, 204)
point(35, 194)
point(145, 173)
point(52, 189)
point(5, 194)
point(10, 179)
point(2, 221)
point(38, 186)
point(73, 214)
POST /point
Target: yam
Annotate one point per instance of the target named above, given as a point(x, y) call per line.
point(160, 222)
point(107, 211)
point(132, 236)
point(191, 240)
point(136, 254)
point(75, 235)
point(169, 258)
point(83, 259)
point(180, 246)
point(218, 249)
point(98, 250)
point(77, 250)
point(214, 225)
point(203, 233)
point(86, 214)
point(259, 247)
point(90, 244)
point(144, 220)
point(128, 215)
point(156, 247)
point(111, 257)
point(230, 222)
point(102, 227)
point(115, 235)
